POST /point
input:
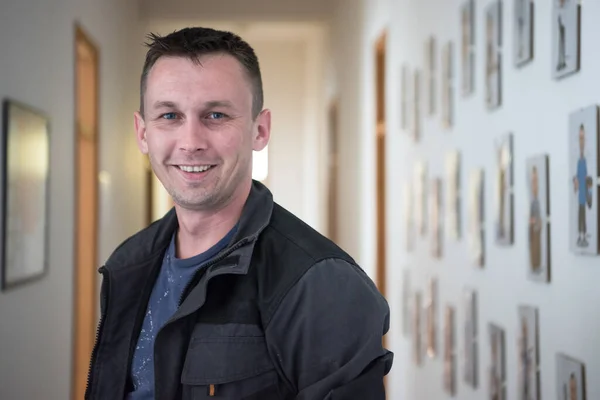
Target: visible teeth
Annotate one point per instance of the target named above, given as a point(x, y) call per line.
point(195, 168)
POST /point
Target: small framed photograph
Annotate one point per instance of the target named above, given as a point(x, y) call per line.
point(476, 233)
point(452, 198)
point(449, 351)
point(497, 371)
point(25, 194)
point(406, 297)
point(529, 359)
point(523, 33)
point(470, 339)
point(467, 47)
point(417, 329)
point(538, 218)
point(447, 95)
point(570, 378)
point(404, 96)
point(566, 37)
point(504, 191)
point(420, 186)
point(493, 54)
point(583, 191)
point(416, 106)
point(431, 313)
point(409, 219)
point(431, 70)
point(435, 210)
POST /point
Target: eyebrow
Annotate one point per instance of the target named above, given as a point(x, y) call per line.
point(208, 104)
point(164, 104)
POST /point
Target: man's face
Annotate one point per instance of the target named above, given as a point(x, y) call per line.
point(198, 129)
point(581, 140)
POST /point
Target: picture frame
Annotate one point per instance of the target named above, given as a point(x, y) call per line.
point(435, 211)
point(467, 47)
point(449, 351)
point(406, 297)
point(447, 86)
point(417, 328)
point(528, 353)
point(538, 217)
point(497, 371)
point(470, 375)
point(409, 217)
point(25, 174)
point(504, 223)
point(452, 201)
point(404, 96)
point(584, 167)
point(570, 378)
point(566, 38)
point(476, 218)
point(421, 195)
point(523, 34)
point(416, 106)
point(430, 315)
point(430, 70)
point(493, 54)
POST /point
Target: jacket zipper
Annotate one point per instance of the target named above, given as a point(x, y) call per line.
point(98, 333)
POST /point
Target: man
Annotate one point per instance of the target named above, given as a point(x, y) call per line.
point(582, 185)
point(228, 295)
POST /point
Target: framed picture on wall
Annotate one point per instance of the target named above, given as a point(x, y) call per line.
point(452, 199)
point(566, 40)
point(529, 358)
point(406, 297)
point(571, 378)
point(435, 211)
point(420, 186)
point(25, 192)
point(416, 106)
point(431, 318)
point(449, 351)
point(409, 218)
point(504, 190)
point(583, 171)
point(493, 54)
point(431, 67)
point(470, 339)
point(538, 217)
point(467, 47)
point(404, 96)
point(417, 329)
point(476, 220)
point(497, 371)
point(447, 92)
point(523, 31)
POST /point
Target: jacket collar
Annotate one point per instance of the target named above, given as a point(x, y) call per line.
point(152, 241)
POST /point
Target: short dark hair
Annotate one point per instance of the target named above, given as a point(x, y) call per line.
point(197, 41)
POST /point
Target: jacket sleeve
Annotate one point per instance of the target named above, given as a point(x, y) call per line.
point(326, 335)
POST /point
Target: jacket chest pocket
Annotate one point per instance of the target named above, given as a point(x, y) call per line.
point(229, 367)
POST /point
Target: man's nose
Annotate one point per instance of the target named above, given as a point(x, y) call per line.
point(193, 136)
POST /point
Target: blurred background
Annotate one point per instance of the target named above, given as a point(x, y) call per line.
point(362, 98)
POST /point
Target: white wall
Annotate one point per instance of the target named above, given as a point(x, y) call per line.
point(291, 56)
point(539, 120)
point(37, 67)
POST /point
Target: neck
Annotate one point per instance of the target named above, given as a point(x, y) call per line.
point(199, 230)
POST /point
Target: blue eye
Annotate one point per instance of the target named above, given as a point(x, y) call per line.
point(216, 115)
point(170, 115)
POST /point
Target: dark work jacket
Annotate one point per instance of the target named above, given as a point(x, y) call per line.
point(281, 313)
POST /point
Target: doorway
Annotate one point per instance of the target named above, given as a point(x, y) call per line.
point(380, 85)
point(86, 208)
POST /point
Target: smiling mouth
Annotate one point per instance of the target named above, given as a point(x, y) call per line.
point(195, 168)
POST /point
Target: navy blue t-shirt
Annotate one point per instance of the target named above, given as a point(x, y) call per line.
point(173, 277)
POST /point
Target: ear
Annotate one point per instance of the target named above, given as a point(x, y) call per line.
point(262, 132)
point(140, 132)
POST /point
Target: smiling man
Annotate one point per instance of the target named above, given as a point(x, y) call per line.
point(228, 295)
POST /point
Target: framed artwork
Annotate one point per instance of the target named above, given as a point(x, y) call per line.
point(583, 170)
point(523, 31)
point(416, 106)
point(467, 47)
point(435, 211)
point(566, 40)
point(570, 378)
point(538, 218)
point(449, 351)
point(406, 296)
point(529, 359)
point(497, 371)
point(420, 186)
point(409, 219)
point(404, 93)
point(431, 313)
point(504, 223)
point(24, 200)
point(447, 95)
point(416, 329)
point(470, 339)
point(476, 233)
point(431, 67)
point(493, 54)
point(452, 198)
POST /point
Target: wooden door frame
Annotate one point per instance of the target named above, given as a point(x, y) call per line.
point(81, 36)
